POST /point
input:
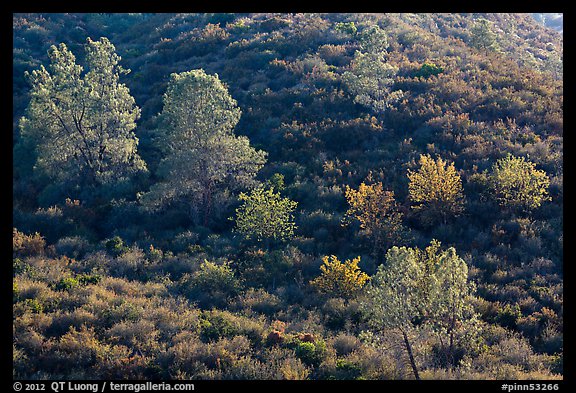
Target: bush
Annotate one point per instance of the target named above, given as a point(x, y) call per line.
point(34, 305)
point(131, 263)
point(73, 247)
point(115, 246)
point(508, 316)
point(66, 284)
point(86, 279)
point(20, 267)
point(347, 370)
point(551, 341)
point(212, 284)
point(259, 301)
point(77, 349)
point(215, 325)
point(27, 245)
point(428, 69)
point(311, 353)
point(344, 344)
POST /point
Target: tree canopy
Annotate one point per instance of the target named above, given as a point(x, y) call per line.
point(265, 215)
point(340, 278)
point(435, 190)
point(418, 289)
point(518, 185)
point(204, 160)
point(83, 124)
point(377, 212)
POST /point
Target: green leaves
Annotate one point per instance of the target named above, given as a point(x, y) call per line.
point(369, 81)
point(518, 185)
point(370, 77)
point(482, 36)
point(203, 160)
point(392, 295)
point(83, 126)
point(265, 215)
point(416, 287)
point(197, 107)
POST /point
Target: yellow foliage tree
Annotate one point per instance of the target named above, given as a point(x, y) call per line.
point(435, 190)
point(517, 184)
point(340, 279)
point(376, 211)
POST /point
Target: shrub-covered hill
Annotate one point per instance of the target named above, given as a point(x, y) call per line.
point(360, 131)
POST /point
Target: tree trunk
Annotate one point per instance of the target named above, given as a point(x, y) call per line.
point(451, 348)
point(410, 355)
point(207, 202)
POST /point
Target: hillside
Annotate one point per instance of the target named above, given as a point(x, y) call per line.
point(196, 241)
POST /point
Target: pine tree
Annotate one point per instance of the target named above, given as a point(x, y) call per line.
point(83, 125)
point(451, 313)
point(370, 80)
point(371, 77)
point(204, 161)
point(482, 36)
point(421, 289)
point(392, 297)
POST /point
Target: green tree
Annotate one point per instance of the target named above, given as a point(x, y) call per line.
point(340, 279)
point(265, 216)
point(392, 297)
point(373, 39)
point(82, 125)
point(204, 161)
point(348, 28)
point(517, 184)
point(450, 293)
point(370, 80)
point(482, 36)
point(212, 285)
point(435, 190)
point(376, 211)
point(421, 289)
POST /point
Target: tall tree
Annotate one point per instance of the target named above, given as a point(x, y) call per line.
point(435, 190)
point(83, 124)
point(370, 77)
point(373, 39)
point(450, 310)
point(482, 36)
point(392, 297)
point(204, 161)
point(421, 289)
point(370, 80)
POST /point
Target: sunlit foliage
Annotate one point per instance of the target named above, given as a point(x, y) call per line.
point(518, 185)
point(265, 215)
point(436, 190)
point(338, 278)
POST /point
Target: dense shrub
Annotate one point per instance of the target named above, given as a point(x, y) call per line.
point(26, 245)
point(212, 284)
